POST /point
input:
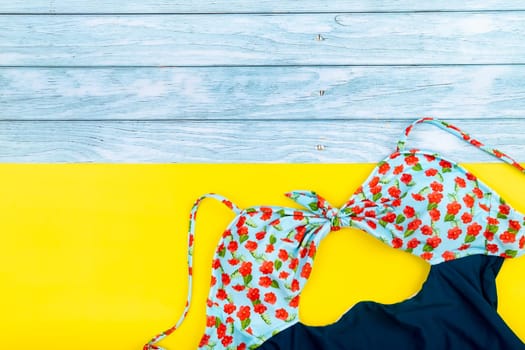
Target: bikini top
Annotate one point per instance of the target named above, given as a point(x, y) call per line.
point(413, 200)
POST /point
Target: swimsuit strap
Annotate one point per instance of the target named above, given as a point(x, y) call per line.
point(454, 130)
point(191, 232)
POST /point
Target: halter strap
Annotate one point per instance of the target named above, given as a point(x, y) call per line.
point(454, 130)
point(191, 233)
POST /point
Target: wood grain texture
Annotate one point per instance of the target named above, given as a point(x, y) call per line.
point(252, 39)
point(239, 6)
point(237, 142)
point(261, 93)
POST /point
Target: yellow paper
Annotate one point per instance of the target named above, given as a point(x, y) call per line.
point(93, 256)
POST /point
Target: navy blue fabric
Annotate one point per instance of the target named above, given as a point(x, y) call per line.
point(455, 309)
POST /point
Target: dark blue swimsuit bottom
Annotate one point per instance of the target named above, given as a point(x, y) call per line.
point(455, 309)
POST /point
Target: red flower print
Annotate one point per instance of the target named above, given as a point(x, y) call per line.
point(221, 331)
point(298, 215)
point(281, 314)
point(204, 340)
point(394, 155)
point(397, 242)
point(265, 281)
point(260, 235)
point(445, 164)
point(241, 221)
point(233, 246)
point(473, 229)
point(293, 264)
point(225, 279)
point(227, 340)
point(492, 248)
point(431, 172)
point(295, 285)
point(427, 230)
point(398, 169)
point(409, 211)
point(259, 308)
point(507, 237)
point(216, 264)
point(453, 208)
point(406, 178)
point(434, 214)
point(253, 294)
point(478, 192)
point(435, 197)
point(434, 242)
point(375, 189)
point(394, 191)
point(284, 275)
point(221, 294)
point(311, 251)
point(492, 221)
point(241, 346)
point(210, 321)
point(522, 242)
point(251, 245)
point(226, 233)
point(488, 235)
point(396, 202)
point(418, 197)
point(514, 225)
point(267, 213)
point(374, 182)
point(468, 200)
point(306, 270)
point(357, 210)
point(283, 254)
point(504, 209)
point(436, 186)
point(390, 217)
point(242, 230)
point(294, 302)
point(246, 268)
point(460, 182)
point(270, 298)
point(303, 252)
point(466, 218)
point(414, 224)
point(413, 243)
point(229, 308)
point(266, 267)
point(470, 176)
point(427, 255)
point(454, 233)
point(411, 160)
point(464, 247)
point(371, 224)
point(430, 157)
point(269, 248)
point(301, 230)
point(233, 262)
point(238, 287)
point(384, 168)
point(448, 255)
point(275, 222)
point(243, 313)
point(476, 143)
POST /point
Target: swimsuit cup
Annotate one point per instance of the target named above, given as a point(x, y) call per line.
point(415, 201)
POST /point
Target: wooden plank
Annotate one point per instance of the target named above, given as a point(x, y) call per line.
point(287, 39)
point(247, 93)
point(235, 142)
point(239, 6)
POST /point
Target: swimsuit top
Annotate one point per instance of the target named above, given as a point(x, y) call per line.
point(414, 200)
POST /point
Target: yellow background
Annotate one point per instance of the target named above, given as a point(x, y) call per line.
point(93, 256)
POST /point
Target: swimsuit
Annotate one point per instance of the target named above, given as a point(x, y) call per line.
point(414, 200)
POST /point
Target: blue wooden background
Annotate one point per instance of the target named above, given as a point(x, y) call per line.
point(256, 81)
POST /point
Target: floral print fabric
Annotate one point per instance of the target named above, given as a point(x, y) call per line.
point(413, 200)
